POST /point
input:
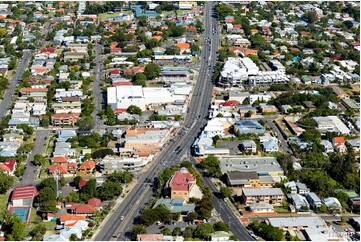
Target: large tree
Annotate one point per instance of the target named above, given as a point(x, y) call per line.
point(132, 109)
point(13, 227)
point(5, 182)
point(47, 200)
point(152, 71)
point(203, 231)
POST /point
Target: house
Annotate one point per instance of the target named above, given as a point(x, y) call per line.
point(60, 169)
point(242, 179)
point(249, 146)
point(23, 196)
point(261, 208)
point(95, 202)
point(9, 167)
point(302, 188)
point(299, 202)
point(313, 200)
point(246, 126)
point(291, 186)
point(331, 124)
point(82, 182)
point(341, 94)
point(333, 204)
point(59, 160)
point(296, 223)
point(270, 146)
point(87, 166)
point(339, 144)
point(176, 205)
point(327, 146)
point(83, 209)
point(272, 196)
point(268, 109)
point(59, 119)
point(220, 236)
point(355, 143)
point(180, 184)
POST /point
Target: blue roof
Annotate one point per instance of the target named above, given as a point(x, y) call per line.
point(245, 126)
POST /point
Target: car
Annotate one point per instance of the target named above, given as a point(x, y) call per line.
point(121, 218)
point(337, 215)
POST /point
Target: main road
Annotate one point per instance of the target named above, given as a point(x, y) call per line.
point(97, 90)
point(172, 153)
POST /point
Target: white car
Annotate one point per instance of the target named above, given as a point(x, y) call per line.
point(121, 218)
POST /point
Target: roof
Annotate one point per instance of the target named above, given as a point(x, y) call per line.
point(87, 165)
point(261, 165)
point(181, 180)
point(183, 46)
point(83, 208)
point(24, 192)
point(96, 202)
point(175, 205)
point(82, 182)
point(8, 165)
point(62, 169)
point(262, 192)
point(339, 140)
point(237, 175)
point(150, 237)
point(65, 217)
point(297, 221)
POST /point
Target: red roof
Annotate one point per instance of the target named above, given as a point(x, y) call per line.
point(24, 192)
point(87, 165)
point(339, 140)
point(230, 103)
point(120, 110)
point(122, 84)
point(65, 217)
point(95, 202)
point(61, 168)
point(82, 208)
point(114, 72)
point(8, 165)
point(82, 182)
point(127, 71)
point(59, 159)
point(182, 180)
point(356, 44)
point(138, 69)
point(48, 50)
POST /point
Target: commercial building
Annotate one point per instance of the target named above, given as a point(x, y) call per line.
point(110, 164)
point(297, 223)
point(248, 179)
point(262, 165)
point(331, 124)
point(124, 96)
point(236, 70)
point(246, 126)
point(272, 196)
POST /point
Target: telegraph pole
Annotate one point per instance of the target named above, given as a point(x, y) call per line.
point(56, 177)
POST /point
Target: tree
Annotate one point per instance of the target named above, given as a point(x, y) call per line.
point(221, 226)
point(76, 181)
point(191, 216)
point(138, 229)
point(38, 231)
point(139, 79)
point(101, 153)
point(310, 17)
point(211, 164)
point(226, 191)
point(312, 135)
point(73, 237)
point(132, 109)
point(47, 200)
point(89, 190)
point(322, 208)
point(108, 190)
point(188, 232)
point(343, 220)
point(203, 231)
point(26, 128)
point(166, 231)
point(39, 160)
point(13, 227)
point(177, 231)
point(5, 182)
point(172, 50)
point(176, 31)
point(85, 123)
point(152, 71)
point(48, 182)
point(73, 197)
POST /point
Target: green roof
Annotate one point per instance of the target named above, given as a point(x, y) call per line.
point(349, 193)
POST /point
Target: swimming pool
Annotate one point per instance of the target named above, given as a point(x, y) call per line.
point(22, 212)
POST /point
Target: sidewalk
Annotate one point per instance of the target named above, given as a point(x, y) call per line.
point(119, 201)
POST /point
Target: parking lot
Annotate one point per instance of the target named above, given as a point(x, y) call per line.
point(233, 146)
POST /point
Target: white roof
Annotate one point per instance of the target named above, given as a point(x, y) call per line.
point(297, 221)
point(262, 192)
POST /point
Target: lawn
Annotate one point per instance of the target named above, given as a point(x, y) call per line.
point(104, 16)
point(3, 202)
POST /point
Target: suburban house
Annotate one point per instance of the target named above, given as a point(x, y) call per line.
point(95, 202)
point(327, 146)
point(180, 184)
point(339, 144)
point(87, 166)
point(261, 208)
point(220, 236)
point(83, 209)
point(249, 146)
point(59, 119)
point(299, 202)
point(9, 167)
point(313, 200)
point(272, 196)
point(333, 204)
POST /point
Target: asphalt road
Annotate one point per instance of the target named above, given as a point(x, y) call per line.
point(97, 89)
point(29, 176)
point(9, 93)
point(198, 110)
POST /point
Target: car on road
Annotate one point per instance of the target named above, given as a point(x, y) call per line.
point(121, 218)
